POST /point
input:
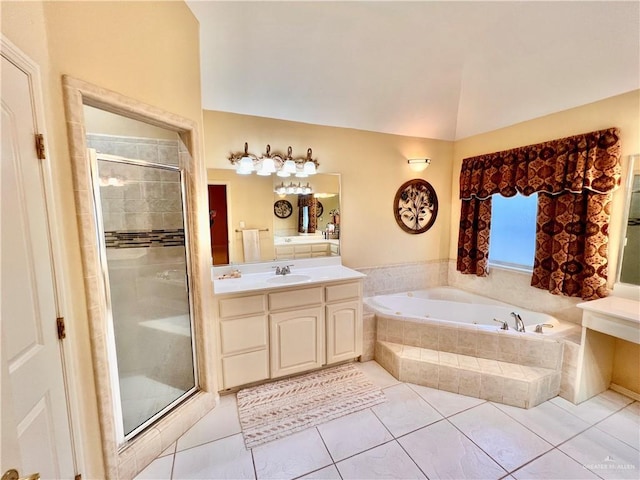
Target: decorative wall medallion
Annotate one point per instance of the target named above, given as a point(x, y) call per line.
point(282, 209)
point(319, 209)
point(415, 206)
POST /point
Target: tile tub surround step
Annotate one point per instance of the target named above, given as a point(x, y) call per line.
point(494, 380)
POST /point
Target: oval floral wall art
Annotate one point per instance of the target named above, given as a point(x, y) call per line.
point(415, 206)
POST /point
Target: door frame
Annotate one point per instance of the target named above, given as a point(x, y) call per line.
point(67, 348)
point(126, 460)
point(230, 245)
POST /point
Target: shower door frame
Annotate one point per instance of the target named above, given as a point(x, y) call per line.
point(94, 157)
point(125, 460)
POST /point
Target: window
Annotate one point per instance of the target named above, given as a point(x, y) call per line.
point(512, 239)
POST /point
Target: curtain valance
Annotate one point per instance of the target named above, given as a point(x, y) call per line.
point(590, 161)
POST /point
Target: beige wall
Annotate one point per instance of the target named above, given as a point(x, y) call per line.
point(372, 166)
point(145, 50)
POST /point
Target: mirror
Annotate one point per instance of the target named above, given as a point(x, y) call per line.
point(629, 266)
point(251, 223)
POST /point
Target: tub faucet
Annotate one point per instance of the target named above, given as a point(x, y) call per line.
point(505, 325)
point(519, 322)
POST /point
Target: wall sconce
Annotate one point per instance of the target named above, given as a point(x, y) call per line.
point(419, 164)
point(282, 165)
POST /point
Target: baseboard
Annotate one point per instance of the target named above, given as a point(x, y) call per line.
point(625, 391)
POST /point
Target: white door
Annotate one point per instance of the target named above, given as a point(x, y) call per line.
point(35, 424)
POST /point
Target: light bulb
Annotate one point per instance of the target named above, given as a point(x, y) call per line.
point(309, 168)
point(289, 166)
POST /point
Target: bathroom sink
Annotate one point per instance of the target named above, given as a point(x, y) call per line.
point(291, 278)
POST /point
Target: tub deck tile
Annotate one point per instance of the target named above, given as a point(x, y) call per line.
point(494, 380)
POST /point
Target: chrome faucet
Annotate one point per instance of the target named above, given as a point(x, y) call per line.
point(505, 325)
point(283, 270)
point(519, 322)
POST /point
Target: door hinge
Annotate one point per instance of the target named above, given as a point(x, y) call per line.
point(40, 146)
point(62, 333)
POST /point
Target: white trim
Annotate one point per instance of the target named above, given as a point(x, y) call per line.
point(67, 348)
point(511, 267)
point(625, 391)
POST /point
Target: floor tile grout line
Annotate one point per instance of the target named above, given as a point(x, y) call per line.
point(584, 420)
point(333, 460)
point(478, 446)
point(540, 436)
point(436, 409)
point(211, 441)
point(413, 459)
point(584, 431)
point(173, 463)
point(613, 436)
point(253, 462)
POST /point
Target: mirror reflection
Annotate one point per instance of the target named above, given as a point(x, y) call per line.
point(630, 266)
point(251, 222)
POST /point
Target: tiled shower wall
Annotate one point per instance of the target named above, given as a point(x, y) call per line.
point(150, 198)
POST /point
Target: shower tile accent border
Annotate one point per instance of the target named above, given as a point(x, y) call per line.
point(150, 238)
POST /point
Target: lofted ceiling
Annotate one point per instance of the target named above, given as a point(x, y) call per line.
point(444, 70)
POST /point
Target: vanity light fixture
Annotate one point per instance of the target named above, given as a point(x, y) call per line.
point(282, 165)
point(419, 164)
point(292, 189)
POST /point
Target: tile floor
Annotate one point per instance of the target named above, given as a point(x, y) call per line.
point(421, 432)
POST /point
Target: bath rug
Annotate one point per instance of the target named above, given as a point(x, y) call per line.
point(274, 410)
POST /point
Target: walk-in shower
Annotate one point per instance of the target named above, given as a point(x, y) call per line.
point(140, 213)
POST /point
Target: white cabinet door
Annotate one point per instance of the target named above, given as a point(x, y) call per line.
point(344, 331)
point(297, 341)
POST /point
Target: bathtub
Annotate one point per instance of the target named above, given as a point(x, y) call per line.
point(451, 305)
point(446, 338)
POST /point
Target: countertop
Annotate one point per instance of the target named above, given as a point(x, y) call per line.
point(624, 308)
point(260, 277)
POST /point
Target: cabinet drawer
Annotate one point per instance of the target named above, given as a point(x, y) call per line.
point(303, 249)
point(295, 298)
point(287, 250)
point(249, 305)
point(240, 334)
point(336, 293)
point(245, 368)
point(320, 247)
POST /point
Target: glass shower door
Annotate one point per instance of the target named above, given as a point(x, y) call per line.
point(146, 274)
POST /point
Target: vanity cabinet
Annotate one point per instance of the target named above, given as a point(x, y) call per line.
point(297, 340)
point(343, 321)
point(243, 341)
point(305, 250)
point(296, 322)
point(288, 331)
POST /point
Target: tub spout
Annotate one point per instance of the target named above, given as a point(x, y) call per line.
point(519, 322)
